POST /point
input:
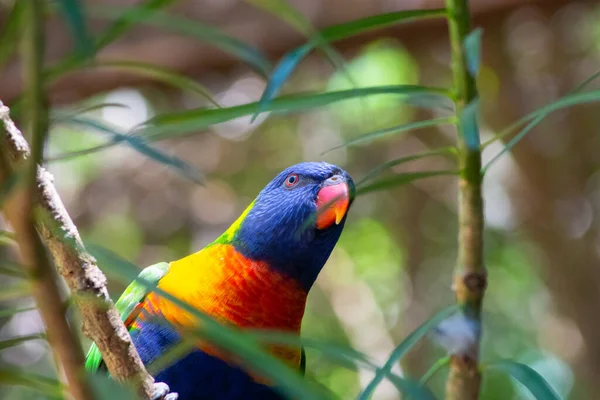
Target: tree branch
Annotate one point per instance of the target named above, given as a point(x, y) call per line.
point(470, 279)
point(20, 211)
point(101, 321)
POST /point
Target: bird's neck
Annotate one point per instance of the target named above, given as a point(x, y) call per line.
point(223, 283)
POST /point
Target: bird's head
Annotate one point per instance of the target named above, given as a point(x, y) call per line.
point(296, 220)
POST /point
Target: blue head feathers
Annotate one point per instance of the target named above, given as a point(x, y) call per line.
point(297, 219)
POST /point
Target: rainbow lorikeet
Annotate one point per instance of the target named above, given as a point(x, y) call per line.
point(255, 275)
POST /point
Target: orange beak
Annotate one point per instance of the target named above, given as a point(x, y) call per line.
point(333, 201)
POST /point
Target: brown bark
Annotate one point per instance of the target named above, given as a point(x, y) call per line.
point(101, 321)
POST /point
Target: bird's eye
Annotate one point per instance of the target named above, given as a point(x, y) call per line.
point(292, 180)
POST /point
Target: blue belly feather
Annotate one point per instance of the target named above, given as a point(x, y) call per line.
point(197, 376)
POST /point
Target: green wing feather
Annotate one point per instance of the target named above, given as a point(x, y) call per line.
point(126, 305)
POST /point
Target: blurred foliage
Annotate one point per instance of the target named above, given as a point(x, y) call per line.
point(392, 267)
point(381, 63)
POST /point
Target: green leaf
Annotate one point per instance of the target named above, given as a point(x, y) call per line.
point(7, 343)
point(282, 72)
point(536, 117)
point(7, 238)
point(411, 340)
point(290, 382)
point(283, 10)
point(394, 130)
point(346, 357)
point(59, 116)
point(127, 18)
point(11, 269)
point(472, 45)
point(387, 165)
point(74, 15)
point(290, 61)
point(527, 376)
point(105, 388)
point(164, 75)
point(15, 291)
point(343, 354)
point(399, 180)
point(142, 147)
point(9, 312)
point(170, 356)
point(9, 37)
point(183, 26)
point(353, 28)
point(51, 388)
point(435, 368)
point(586, 82)
point(183, 122)
point(468, 125)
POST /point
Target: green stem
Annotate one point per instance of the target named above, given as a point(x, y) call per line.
point(435, 368)
point(44, 289)
point(464, 379)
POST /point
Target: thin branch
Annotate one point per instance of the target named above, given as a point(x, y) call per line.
point(20, 211)
point(464, 379)
point(101, 321)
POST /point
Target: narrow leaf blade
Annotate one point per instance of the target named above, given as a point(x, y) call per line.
point(105, 388)
point(371, 136)
point(142, 147)
point(9, 37)
point(472, 45)
point(283, 10)
point(407, 344)
point(7, 343)
point(398, 161)
point(74, 15)
point(528, 377)
point(9, 312)
point(535, 117)
point(48, 386)
point(179, 123)
point(280, 74)
point(400, 179)
point(468, 125)
point(59, 116)
point(15, 291)
point(195, 29)
point(164, 75)
point(290, 61)
point(127, 18)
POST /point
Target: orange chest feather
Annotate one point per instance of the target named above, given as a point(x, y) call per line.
point(234, 290)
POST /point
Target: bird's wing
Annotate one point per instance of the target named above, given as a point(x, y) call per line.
point(128, 306)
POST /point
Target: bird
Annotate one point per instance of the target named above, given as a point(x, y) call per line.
point(256, 275)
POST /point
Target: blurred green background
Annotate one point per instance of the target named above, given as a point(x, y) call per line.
point(393, 265)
